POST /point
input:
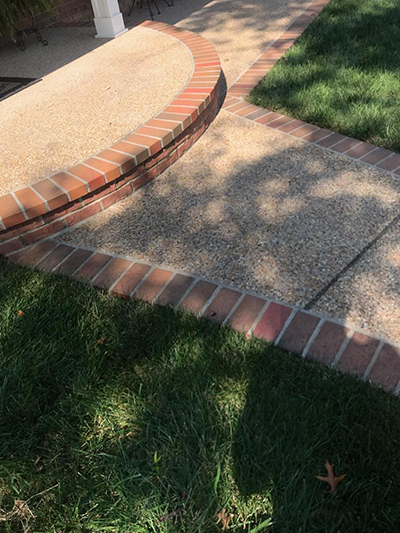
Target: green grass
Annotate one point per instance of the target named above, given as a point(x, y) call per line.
point(343, 73)
point(171, 415)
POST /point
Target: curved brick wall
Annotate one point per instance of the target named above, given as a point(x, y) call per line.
point(54, 203)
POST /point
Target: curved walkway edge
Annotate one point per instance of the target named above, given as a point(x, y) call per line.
point(307, 334)
point(63, 199)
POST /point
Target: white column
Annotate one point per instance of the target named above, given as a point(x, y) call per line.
point(108, 19)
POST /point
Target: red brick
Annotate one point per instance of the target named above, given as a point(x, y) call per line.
point(377, 155)
point(315, 135)
point(328, 342)
point(31, 202)
point(140, 153)
point(169, 127)
point(37, 253)
point(391, 163)
point(10, 213)
point(124, 161)
point(345, 145)
point(287, 128)
point(82, 214)
point(17, 230)
point(153, 284)
point(239, 106)
point(57, 213)
point(116, 196)
point(54, 196)
point(207, 64)
point(193, 112)
point(386, 370)
point(165, 136)
point(182, 118)
point(198, 296)
point(258, 114)
point(73, 186)
point(269, 118)
point(272, 322)
point(110, 170)
point(361, 150)
point(358, 354)
point(305, 130)
point(73, 262)
point(298, 333)
point(100, 193)
point(93, 266)
point(280, 122)
point(112, 272)
point(130, 280)
point(142, 181)
point(43, 232)
point(94, 178)
point(14, 258)
point(331, 140)
point(198, 104)
point(55, 257)
point(10, 246)
point(175, 290)
point(220, 307)
point(246, 313)
point(153, 145)
point(229, 102)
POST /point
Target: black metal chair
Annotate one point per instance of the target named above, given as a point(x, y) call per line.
point(149, 2)
point(33, 28)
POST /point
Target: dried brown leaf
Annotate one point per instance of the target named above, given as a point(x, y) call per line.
point(225, 519)
point(100, 341)
point(331, 479)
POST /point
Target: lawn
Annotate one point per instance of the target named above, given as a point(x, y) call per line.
point(343, 73)
point(124, 417)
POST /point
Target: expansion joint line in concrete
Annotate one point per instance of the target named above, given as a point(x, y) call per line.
point(352, 263)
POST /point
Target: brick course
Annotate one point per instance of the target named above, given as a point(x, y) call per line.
point(131, 163)
point(298, 331)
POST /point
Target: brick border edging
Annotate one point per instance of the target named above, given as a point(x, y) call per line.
point(78, 211)
point(360, 151)
point(364, 152)
point(40, 202)
point(310, 335)
point(264, 63)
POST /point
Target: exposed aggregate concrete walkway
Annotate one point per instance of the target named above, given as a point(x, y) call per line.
point(255, 208)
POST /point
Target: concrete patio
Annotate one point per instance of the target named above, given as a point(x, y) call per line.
point(260, 210)
point(92, 93)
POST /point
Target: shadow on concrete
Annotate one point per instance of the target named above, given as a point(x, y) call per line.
point(282, 224)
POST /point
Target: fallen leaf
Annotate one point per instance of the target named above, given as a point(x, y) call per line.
point(100, 341)
point(20, 313)
point(225, 519)
point(330, 478)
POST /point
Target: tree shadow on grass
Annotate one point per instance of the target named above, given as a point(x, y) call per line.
point(171, 419)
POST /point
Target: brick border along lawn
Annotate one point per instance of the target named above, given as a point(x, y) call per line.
point(365, 152)
point(301, 332)
point(148, 148)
